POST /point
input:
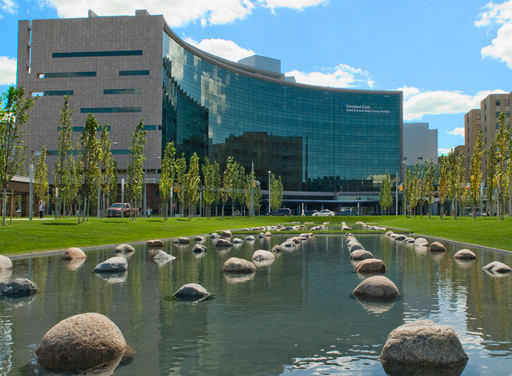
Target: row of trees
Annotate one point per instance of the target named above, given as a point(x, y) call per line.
point(87, 170)
point(492, 169)
point(234, 184)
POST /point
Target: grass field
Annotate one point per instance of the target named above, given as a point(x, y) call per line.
point(33, 236)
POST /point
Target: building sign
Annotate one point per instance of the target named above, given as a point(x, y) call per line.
point(363, 108)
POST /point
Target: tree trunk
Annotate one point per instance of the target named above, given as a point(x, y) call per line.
point(4, 205)
point(223, 210)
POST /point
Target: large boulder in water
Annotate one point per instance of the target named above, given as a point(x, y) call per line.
point(376, 287)
point(371, 265)
point(81, 342)
point(17, 288)
point(361, 254)
point(155, 243)
point(355, 247)
point(423, 347)
point(5, 262)
point(223, 243)
point(238, 265)
point(262, 254)
point(464, 254)
point(181, 240)
point(421, 242)
point(74, 253)
point(497, 267)
point(112, 265)
point(437, 247)
point(124, 248)
point(226, 234)
point(199, 248)
point(191, 292)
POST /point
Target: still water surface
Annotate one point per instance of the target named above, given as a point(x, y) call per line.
point(296, 317)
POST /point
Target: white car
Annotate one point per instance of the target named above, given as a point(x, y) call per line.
point(324, 213)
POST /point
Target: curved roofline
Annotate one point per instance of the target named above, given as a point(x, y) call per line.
point(255, 72)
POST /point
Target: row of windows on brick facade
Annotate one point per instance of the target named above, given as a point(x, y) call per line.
point(133, 72)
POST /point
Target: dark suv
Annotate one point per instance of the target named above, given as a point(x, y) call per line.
point(282, 211)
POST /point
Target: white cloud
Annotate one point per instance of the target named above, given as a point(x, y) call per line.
point(459, 131)
point(7, 70)
point(443, 151)
point(340, 76)
point(226, 49)
point(293, 4)
point(418, 103)
point(498, 15)
point(8, 6)
point(177, 12)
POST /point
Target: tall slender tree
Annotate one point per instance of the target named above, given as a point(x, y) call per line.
point(192, 184)
point(250, 182)
point(180, 168)
point(276, 192)
point(385, 198)
point(490, 176)
point(444, 183)
point(136, 166)
point(41, 178)
point(211, 177)
point(475, 175)
point(167, 176)
point(228, 182)
point(502, 159)
point(13, 115)
point(89, 171)
point(430, 177)
point(106, 164)
point(64, 169)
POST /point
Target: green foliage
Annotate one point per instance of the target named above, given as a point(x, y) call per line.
point(443, 187)
point(66, 168)
point(136, 165)
point(211, 178)
point(475, 174)
point(228, 181)
point(13, 115)
point(106, 165)
point(490, 170)
point(276, 192)
point(386, 200)
point(180, 168)
point(89, 171)
point(167, 175)
point(502, 160)
point(249, 186)
point(192, 183)
point(41, 178)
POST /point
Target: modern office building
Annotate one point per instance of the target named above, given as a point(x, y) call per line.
point(484, 119)
point(420, 144)
point(321, 140)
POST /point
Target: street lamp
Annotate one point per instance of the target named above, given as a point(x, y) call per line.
point(269, 172)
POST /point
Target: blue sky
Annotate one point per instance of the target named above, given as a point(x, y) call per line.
point(445, 55)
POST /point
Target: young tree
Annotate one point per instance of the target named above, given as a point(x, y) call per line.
point(167, 175)
point(41, 178)
point(228, 182)
point(419, 185)
point(64, 169)
point(276, 192)
point(444, 183)
point(257, 197)
point(136, 166)
point(192, 183)
point(89, 171)
point(180, 168)
point(475, 178)
point(211, 177)
point(386, 200)
point(249, 187)
point(490, 173)
point(113, 181)
point(240, 185)
point(13, 115)
point(106, 164)
point(502, 159)
point(430, 177)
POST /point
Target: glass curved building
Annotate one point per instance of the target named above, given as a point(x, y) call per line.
point(319, 139)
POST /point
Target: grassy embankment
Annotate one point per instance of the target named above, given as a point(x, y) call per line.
point(26, 237)
point(486, 231)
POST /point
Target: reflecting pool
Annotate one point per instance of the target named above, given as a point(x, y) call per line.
point(296, 316)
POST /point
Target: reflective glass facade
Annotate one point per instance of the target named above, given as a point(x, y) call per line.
point(316, 138)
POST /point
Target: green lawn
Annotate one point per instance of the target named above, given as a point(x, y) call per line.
point(487, 231)
point(26, 236)
point(32, 236)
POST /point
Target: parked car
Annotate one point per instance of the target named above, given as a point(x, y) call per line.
point(282, 211)
point(324, 213)
point(309, 212)
point(114, 210)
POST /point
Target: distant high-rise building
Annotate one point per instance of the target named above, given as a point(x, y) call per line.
point(420, 143)
point(262, 62)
